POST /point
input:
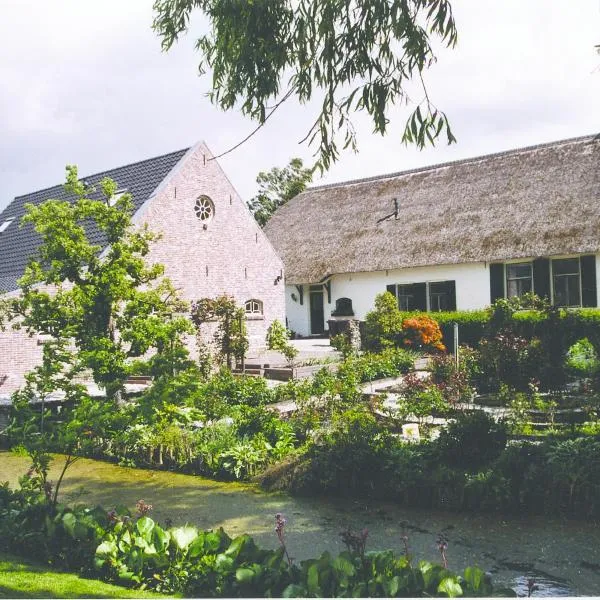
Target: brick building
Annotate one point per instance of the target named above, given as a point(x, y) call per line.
point(210, 245)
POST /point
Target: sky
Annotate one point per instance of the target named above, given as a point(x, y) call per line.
point(85, 82)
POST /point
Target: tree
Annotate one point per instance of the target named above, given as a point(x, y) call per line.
point(230, 333)
point(356, 54)
point(383, 324)
point(278, 339)
point(277, 187)
point(108, 305)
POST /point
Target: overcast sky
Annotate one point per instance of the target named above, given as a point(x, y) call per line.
point(85, 82)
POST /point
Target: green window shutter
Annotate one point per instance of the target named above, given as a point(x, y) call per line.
point(588, 280)
point(391, 289)
point(496, 281)
point(541, 277)
point(451, 295)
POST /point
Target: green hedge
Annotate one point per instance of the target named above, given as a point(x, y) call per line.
point(575, 324)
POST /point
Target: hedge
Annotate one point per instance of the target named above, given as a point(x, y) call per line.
point(575, 324)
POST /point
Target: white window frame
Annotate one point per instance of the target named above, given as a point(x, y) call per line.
point(254, 308)
point(567, 257)
point(427, 291)
point(517, 262)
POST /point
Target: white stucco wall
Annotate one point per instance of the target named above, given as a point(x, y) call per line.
point(297, 315)
point(472, 290)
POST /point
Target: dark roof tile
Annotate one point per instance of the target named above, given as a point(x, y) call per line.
point(18, 244)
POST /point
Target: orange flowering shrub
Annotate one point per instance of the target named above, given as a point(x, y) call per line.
point(422, 332)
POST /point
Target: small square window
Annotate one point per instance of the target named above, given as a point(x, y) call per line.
point(254, 307)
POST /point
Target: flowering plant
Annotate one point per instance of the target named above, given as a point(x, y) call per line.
point(422, 332)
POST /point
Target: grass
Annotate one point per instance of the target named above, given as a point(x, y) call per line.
point(21, 578)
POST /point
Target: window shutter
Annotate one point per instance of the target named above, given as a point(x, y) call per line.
point(541, 277)
point(496, 281)
point(391, 289)
point(451, 295)
point(588, 280)
point(420, 295)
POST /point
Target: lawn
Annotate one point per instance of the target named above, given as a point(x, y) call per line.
point(20, 578)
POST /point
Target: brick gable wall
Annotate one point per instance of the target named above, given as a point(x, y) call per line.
point(232, 255)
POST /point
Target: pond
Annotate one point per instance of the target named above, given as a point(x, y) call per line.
point(563, 556)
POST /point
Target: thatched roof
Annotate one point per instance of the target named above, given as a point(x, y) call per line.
point(537, 201)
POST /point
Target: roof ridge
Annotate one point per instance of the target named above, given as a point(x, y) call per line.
point(137, 162)
point(460, 161)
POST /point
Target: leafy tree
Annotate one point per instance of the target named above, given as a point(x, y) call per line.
point(230, 334)
point(384, 324)
point(278, 339)
point(107, 306)
point(355, 54)
point(277, 187)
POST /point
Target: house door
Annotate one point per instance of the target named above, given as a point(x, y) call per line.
point(317, 315)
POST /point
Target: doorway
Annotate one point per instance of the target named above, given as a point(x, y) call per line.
point(317, 312)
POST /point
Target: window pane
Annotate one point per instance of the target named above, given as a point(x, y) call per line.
point(566, 290)
point(519, 279)
point(518, 270)
point(442, 296)
point(412, 296)
point(573, 290)
point(566, 266)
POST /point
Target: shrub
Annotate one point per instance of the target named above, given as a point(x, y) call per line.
point(473, 440)
point(383, 324)
point(388, 363)
point(582, 358)
point(420, 399)
point(472, 325)
point(456, 384)
point(350, 455)
point(504, 360)
point(278, 339)
point(212, 442)
point(422, 333)
point(225, 390)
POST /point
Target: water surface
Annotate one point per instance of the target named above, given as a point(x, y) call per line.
point(562, 555)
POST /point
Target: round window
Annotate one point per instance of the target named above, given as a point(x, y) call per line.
point(204, 209)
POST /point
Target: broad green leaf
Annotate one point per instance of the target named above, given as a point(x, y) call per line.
point(81, 531)
point(183, 536)
point(212, 540)
point(294, 591)
point(450, 587)
point(161, 539)
point(312, 580)
point(144, 525)
point(474, 577)
point(224, 563)
point(197, 547)
point(107, 548)
point(69, 521)
point(244, 575)
point(343, 565)
point(391, 585)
